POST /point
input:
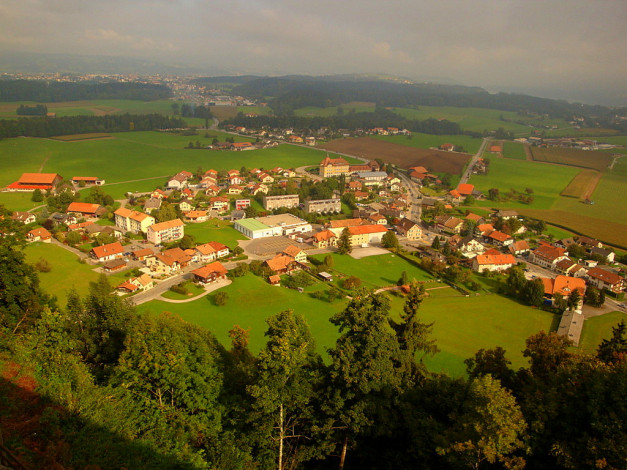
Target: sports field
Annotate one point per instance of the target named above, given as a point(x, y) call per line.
point(425, 141)
point(596, 329)
point(215, 230)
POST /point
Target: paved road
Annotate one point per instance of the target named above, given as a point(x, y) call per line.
point(466, 176)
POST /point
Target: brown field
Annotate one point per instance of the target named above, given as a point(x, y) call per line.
point(401, 155)
point(582, 185)
point(573, 157)
point(77, 137)
point(612, 233)
point(224, 112)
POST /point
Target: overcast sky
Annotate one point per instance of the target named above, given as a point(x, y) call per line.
point(572, 48)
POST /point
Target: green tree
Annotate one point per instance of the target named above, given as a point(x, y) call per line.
point(344, 246)
point(614, 350)
point(352, 282)
point(493, 362)
point(574, 299)
point(221, 298)
point(329, 261)
point(436, 243)
point(389, 240)
point(37, 196)
point(534, 292)
point(285, 390)
point(73, 238)
point(559, 302)
point(403, 280)
point(489, 427)
point(547, 352)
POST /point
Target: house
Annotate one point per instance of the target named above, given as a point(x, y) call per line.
point(466, 189)
point(241, 146)
point(311, 141)
point(567, 267)
point(154, 203)
point(366, 234)
point(85, 209)
point(166, 231)
point(447, 147)
point(274, 280)
point(325, 239)
point(141, 283)
point(372, 178)
point(361, 195)
point(206, 252)
point(23, 217)
point(107, 252)
point(220, 203)
point(39, 235)
point(469, 247)
point(498, 238)
point(114, 265)
point(162, 264)
point(506, 214)
point(455, 194)
point(186, 205)
point(604, 279)
point(607, 255)
point(212, 174)
point(220, 249)
point(334, 167)
point(449, 224)
point(142, 254)
point(87, 180)
point(179, 181)
point(241, 204)
point(483, 229)
point(354, 185)
point(589, 243)
point(210, 273)
point(265, 178)
point(377, 219)
point(196, 216)
point(472, 217)
point(297, 253)
point(493, 262)
point(323, 205)
point(33, 181)
point(563, 285)
point(518, 248)
point(409, 229)
point(547, 255)
point(282, 264)
point(132, 221)
point(259, 188)
point(235, 189)
point(276, 202)
point(159, 194)
point(236, 179)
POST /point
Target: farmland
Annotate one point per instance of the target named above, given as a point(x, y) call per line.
point(583, 185)
point(547, 181)
point(401, 155)
point(136, 155)
point(595, 160)
point(514, 150)
point(313, 111)
point(426, 141)
point(92, 107)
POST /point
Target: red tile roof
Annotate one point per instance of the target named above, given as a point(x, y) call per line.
point(497, 259)
point(38, 178)
point(466, 189)
point(213, 268)
point(83, 207)
point(364, 229)
point(605, 276)
point(108, 250)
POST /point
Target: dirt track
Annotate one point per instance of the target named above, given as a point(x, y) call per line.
point(401, 155)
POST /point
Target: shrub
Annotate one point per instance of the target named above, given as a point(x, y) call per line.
point(221, 298)
point(43, 266)
point(180, 288)
point(352, 282)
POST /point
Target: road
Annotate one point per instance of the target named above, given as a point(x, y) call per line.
point(466, 176)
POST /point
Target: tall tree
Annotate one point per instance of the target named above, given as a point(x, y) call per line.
point(344, 246)
point(614, 350)
point(389, 240)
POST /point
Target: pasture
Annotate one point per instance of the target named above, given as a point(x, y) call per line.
point(92, 107)
point(18, 201)
point(547, 181)
point(368, 147)
point(426, 141)
point(582, 185)
point(595, 160)
point(514, 150)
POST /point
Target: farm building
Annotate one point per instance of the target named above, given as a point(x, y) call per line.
point(32, 181)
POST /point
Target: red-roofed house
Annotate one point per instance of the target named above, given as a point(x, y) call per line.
point(492, 262)
point(221, 250)
point(547, 255)
point(325, 239)
point(603, 279)
point(499, 238)
point(564, 285)
point(466, 189)
point(282, 264)
point(107, 252)
point(39, 235)
point(297, 253)
point(210, 273)
point(86, 209)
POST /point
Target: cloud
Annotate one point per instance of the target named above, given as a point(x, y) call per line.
point(383, 50)
point(112, 37)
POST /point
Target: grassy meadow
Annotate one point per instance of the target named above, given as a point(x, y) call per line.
point(514, 150)
point(215, 230)
point(424, 141)
point(596, 329)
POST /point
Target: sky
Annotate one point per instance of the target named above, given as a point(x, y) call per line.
point(568, 49)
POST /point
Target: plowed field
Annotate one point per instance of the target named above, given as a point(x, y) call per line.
point(573, 157)
point(401, 155)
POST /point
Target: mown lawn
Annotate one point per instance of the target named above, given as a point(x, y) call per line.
point(547, 181)
point(375, 271)
point(252, 300)
point(596, 329)
point(215, 230)
point(424, 141)
point(18, 201)
point(514, 150)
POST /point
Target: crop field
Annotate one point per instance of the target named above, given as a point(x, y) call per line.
point(547, 181)
point(132, 156)
point(426, 141)
point(92, 107)
point(583, 185)
point(596, 329)
point(227, 112)
point(514, 150)
point(435, 160)
point(595, 160)
point(215, 230)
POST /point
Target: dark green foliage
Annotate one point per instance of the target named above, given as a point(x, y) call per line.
point(493, 362)
point(221, 298)
point(37, 110)
point(614, 350)
point(344, 246)
point(37, 196)
point(436, 243)
point(352, 282)
point(389, 240)
point(298, 279)
point(180, 288)
point(240, 270)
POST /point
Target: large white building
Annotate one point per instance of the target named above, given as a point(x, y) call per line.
point(132, 221)
point(166, 231)
point(323, 205)
point(275, 202)
point(272, 226)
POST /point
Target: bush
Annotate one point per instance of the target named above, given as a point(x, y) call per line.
point(180, 288)
point(220, 298)
point(351, 283)
point(43, 266)
point(298, 279)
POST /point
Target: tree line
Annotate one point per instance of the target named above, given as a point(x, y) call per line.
point(351, 120)
point(65, 125)
point(51, 91)
point(117, 389)
point(37, 110)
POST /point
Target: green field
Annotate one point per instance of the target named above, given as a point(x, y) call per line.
point(375, 271)
point(547, 181)
point(215, 230)
point(514, 150)
point(18, 201)
point(67, 271)
point(470, 144)
point(251, 301)
point(596, 329)
point(136, 155)
point(313, 111)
